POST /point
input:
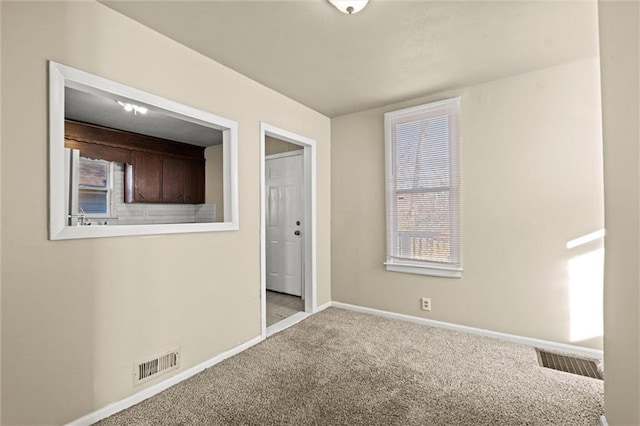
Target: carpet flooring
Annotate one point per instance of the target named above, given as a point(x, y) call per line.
point(345, 368)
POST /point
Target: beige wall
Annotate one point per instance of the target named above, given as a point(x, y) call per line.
point(214, 178)
point(77, 314)
point(620, 67)
point(277, 146)
point(1, 139)
point(531, 181)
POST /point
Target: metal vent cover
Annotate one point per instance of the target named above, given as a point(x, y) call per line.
point(156, 366)
point(569, 364)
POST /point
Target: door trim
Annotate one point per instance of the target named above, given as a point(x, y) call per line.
point(308, 227)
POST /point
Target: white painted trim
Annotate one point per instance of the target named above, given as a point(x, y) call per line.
point(322, 307)
point(61, 76)
point(287, 322)
point(309, 153)
point(433, 271)
point(138, 397)
point(294, 319)
point(263, 234)
point(57, 179)
point(428, 107)
point(543, 344)
point(310, 164)
point(603, 421)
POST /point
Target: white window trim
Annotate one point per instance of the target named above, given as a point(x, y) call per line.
point(422, 269)
point(417, 266)
point(61, 76)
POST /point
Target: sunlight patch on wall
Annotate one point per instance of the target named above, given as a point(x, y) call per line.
point(585, 239)
point(586, 277)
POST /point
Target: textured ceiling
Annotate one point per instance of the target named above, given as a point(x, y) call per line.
point(104, 111)
point(391, 51)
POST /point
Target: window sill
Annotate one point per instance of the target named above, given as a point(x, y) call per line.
point(99, 231)
point(431, 270)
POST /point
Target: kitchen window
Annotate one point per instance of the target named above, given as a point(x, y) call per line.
point(94, 187)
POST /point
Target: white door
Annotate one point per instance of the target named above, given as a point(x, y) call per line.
point(284, 223)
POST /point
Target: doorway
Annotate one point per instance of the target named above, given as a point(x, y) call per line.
point(285, 241)
point(288, 276)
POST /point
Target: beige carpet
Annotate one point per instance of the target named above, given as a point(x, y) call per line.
point(345, 368)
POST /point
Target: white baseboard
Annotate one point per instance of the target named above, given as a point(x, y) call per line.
point(293, 319)
point(323, 307)
point(287, 322)
point(603, 421)
point(138, 397)
point(543, 344)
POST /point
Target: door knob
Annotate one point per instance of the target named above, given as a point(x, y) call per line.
point(297, 233)
point(298, 222)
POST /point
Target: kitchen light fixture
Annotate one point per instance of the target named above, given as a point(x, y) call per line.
point(131, 107)
point(349, 6)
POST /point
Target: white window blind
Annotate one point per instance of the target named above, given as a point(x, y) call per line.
point(423, 189)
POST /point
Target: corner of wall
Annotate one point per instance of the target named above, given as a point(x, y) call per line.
point(619, 32)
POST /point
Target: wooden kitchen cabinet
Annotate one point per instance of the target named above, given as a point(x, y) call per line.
point(147, 177)
point(194, 182)
point(182, 180)
point(173, 179)
point(156, 170)
point(167, 179)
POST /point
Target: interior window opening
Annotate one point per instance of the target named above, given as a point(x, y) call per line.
point(127, 162)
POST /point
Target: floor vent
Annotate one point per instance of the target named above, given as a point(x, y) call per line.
point(569, 364)
point(159, 365)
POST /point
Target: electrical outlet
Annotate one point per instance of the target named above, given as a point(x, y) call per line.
point(426, 304)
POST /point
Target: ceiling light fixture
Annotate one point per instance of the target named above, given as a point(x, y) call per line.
point(131, 107)
point(349, 6)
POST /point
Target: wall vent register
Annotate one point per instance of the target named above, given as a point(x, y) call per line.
point(156, 366)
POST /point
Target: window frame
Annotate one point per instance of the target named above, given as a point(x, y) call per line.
point(393, 262)
point(108, 191)
point(61, 76)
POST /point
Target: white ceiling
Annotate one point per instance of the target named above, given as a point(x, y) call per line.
point(104, 111)
point(391, 51)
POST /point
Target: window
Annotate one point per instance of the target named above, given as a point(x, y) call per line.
point(94, 187)
point(423, 189)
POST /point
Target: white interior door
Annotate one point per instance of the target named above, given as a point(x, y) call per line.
point(284, 183)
